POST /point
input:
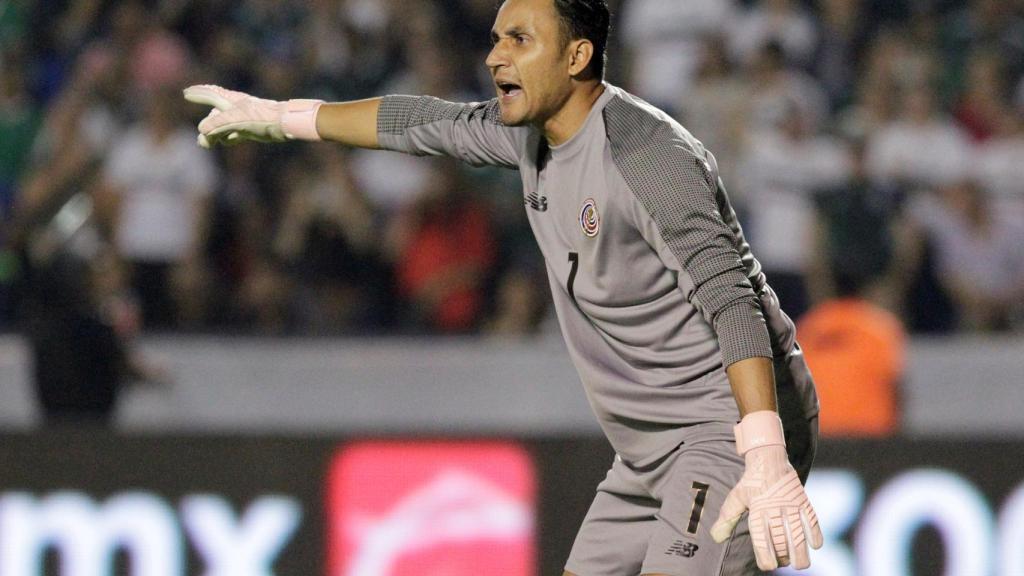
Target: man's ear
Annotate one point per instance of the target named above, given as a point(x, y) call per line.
point(580, 53)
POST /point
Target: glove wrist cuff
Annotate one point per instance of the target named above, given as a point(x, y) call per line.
point(298, 121)
point(757, 429)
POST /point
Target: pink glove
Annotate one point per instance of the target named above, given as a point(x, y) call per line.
point(239, 116)
point(781, 518)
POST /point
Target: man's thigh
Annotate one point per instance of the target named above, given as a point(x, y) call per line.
point(658, 521)
point(692, 490)
point(612, 540)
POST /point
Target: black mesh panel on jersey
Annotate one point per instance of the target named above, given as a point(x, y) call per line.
point(399, 113)
point(675, 184)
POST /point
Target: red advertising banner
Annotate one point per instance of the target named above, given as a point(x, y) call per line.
point(431, 509)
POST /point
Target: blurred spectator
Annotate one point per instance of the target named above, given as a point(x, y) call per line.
point(985, 102)
point(273, 28)
point(226, 57)
point(266, 297)
point(714, 108)
point(998, 165)
point(894, 56)
point(239, 217)
point(79, 128)
point(14, 21)
point(471, 21)
point(781, 22)
point(875, 104)
point(921, 148)
point(837, 60)
point(20, 118)
point(857, 353)
point(329, 47)
point(445, 253)
point(392, 180)
point(774, 88)
point(779, 171)
point(155, 58)
point(328, 236)
point(853, 236)
point(159, 61)
point(71, 141)
point(377, 47)
point(930, 86)
point(663, 39)
point(81, 317)
point(978, 256)
point(992, 25)
point(160, 183)
point(58, 31)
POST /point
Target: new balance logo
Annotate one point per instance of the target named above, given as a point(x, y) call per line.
point(538, 203)
point(684, 549)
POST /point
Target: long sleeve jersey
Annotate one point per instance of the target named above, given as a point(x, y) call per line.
point(654, 285)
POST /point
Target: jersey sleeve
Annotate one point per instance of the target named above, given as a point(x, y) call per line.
point(424, 125)
point(676, 186)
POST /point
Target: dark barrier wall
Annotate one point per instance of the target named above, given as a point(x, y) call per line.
point(95, 503)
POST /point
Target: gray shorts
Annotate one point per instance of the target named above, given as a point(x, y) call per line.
point(657, 519)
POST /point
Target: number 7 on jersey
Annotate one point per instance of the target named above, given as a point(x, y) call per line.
point(574, 258)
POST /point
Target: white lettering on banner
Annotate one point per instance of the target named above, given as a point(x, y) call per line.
point(898, 511)
point(1011, 534)
point(947, 502)
point(85, 535)
point(247, 546)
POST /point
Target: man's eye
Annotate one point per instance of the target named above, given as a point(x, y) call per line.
point(520, 39)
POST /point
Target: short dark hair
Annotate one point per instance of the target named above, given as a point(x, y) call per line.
point(590, 20)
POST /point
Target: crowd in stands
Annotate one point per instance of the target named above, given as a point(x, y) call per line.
point(871, 147)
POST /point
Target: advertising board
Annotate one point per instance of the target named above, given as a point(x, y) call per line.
point(98, 504)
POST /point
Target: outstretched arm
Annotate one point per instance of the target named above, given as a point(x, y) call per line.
point(418, 125)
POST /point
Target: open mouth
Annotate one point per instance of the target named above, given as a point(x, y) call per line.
point(509, 90)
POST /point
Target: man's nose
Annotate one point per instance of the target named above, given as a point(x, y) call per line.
point(496, 57)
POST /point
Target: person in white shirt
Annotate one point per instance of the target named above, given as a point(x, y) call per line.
point(161, 184)
point(921, 148)
point(978, 255)
point(779, 194)
point(664, 40)
point(998, 165)
point(775, 21)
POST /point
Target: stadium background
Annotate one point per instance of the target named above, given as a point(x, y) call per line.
point(224, 338)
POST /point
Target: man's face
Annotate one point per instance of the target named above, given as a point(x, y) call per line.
point(529, 63)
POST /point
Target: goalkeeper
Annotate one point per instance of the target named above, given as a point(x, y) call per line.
point(667, 316)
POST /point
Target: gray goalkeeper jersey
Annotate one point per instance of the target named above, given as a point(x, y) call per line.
point(655, 288)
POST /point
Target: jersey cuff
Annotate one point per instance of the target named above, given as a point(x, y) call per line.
point(742, 332)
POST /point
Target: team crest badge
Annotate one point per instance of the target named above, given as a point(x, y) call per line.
point(590, 220)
